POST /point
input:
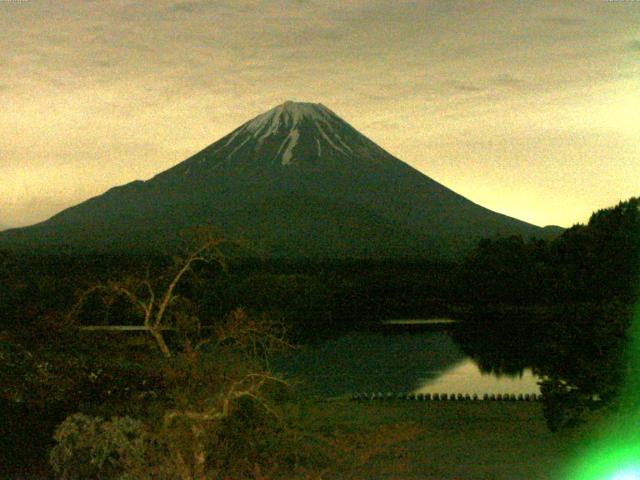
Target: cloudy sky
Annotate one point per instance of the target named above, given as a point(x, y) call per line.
point(530, 108)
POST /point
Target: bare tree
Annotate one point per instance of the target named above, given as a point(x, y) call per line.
point(241, 346)
point(207, 375)
point(151, 301)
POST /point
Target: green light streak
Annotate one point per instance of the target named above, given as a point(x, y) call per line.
point(628, 474)
point(614, 452)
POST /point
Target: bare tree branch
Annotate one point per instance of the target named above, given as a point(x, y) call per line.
point(153, 311)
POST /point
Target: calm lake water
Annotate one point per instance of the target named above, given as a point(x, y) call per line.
point(406, 362)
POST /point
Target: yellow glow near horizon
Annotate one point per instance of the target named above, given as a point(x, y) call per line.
point(528, 109)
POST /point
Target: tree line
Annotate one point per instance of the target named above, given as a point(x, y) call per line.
point(563, 307)
point(593, 263)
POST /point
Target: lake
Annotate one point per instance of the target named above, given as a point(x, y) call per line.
point(398, 360)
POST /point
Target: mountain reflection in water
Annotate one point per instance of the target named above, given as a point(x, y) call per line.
point(466, 377)
point(404, 362)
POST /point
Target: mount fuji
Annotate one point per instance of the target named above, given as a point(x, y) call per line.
point(295, 181)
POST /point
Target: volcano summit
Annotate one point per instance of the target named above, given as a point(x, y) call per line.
point(296, 181)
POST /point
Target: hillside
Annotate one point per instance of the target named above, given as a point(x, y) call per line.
point(296, 181)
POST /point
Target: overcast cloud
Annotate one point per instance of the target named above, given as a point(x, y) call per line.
point(529, 108)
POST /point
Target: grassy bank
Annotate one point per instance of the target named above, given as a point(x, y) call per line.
point(442, 440)
point(420, 440)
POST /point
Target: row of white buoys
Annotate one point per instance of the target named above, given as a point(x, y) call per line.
point(427, 397)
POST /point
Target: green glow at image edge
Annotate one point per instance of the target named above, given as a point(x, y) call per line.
point(616, 453)
point(620, 460)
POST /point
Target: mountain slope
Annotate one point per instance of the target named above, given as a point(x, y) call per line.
point(295, 181)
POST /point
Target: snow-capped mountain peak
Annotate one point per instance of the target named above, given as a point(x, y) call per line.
point(298, 181)
point(288, 115)
point(296, 131)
